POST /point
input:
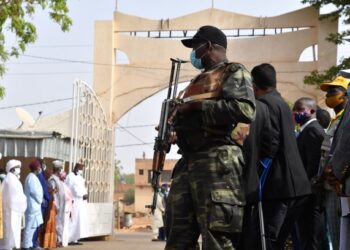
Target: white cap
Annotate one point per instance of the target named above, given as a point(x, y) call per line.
point(11, 164)
point(57, 164)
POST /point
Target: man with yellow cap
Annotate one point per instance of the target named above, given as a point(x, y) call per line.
point(14, 204)
point(336, 99)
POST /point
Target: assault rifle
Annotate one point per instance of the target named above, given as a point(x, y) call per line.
point(162, 144)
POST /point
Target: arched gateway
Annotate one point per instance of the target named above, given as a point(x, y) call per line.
point(148, 45)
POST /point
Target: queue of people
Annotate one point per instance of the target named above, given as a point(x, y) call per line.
point(49, 210)
point(289, 179)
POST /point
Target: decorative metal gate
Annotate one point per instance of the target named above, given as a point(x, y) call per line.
point(92, 143)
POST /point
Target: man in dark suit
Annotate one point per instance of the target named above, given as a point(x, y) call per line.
point(287, 187)
point(256, 147)
point(309, 140)
point(337, 169)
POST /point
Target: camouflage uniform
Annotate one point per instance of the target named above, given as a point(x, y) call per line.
point(206, 196)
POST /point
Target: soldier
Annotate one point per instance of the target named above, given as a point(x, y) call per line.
point(206, 197)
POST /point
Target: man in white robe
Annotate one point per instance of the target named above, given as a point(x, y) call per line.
point(157, 217)
point(14, 204)
point(59, 197)
point(34, 193)
point(76, 183)
point(68, 209)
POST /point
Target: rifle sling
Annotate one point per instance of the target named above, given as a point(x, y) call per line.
point(201, 96)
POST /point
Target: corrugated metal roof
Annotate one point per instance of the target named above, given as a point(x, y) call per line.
point(28, 134)
point(19, 143)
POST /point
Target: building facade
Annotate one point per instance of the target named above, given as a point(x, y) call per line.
point(143, 177)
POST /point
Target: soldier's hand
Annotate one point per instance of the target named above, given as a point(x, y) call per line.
point(172, 137)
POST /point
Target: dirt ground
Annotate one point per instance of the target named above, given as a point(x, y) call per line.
point(123, 240)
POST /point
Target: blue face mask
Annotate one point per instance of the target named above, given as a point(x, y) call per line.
point(301, 117)
point(196, 62)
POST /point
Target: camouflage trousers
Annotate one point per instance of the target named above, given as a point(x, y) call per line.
point(206, 198)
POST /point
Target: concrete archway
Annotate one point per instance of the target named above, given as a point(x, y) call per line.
point(150, 43)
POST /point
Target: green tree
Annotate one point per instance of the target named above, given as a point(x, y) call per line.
point(129, 178)
point(118, 178)
point(15, 19)
point(342, 10)
point(129, 196)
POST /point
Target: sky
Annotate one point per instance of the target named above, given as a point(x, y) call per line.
point(31, 80)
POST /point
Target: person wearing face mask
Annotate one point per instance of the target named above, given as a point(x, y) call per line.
point(14, 204)
point(206, 196)
point(164, 192)
point(76, 182)
point(337, 162)
point(44, 204)
point(336, 99)
point(57, 213)
point(310, 139)
point(68, 209)
point(34, 194)
point(157, 219)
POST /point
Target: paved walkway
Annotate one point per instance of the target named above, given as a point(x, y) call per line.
point(122, 241)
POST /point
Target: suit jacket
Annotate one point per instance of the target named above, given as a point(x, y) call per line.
point(340, 149)
point(309, 143)
point(287, 176)
point(256, 146)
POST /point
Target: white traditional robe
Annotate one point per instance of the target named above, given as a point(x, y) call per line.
point(59, 198)
point(157, 217)
point(34, 193)
point(14, 204)
point(68, 210)
point(78, 225)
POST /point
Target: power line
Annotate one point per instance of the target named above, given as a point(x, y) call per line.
point(49, 73)
point(134, 136)
point(99, 64)
point(133, 145)
point(32, 63)
point(61, 46)
point(36, 103)
point(58, 46)
point(139, 126)
point(130, 66)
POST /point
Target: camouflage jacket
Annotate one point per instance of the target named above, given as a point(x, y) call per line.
point(213, 123)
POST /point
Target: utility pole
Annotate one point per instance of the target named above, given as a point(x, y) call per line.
point(212, 4)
